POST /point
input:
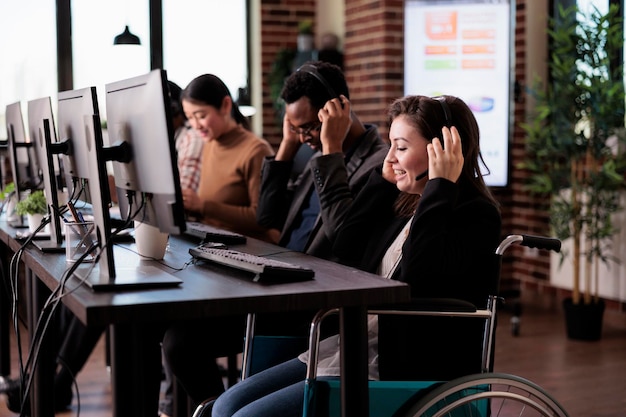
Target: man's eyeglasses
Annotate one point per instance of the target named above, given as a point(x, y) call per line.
point(306, 132)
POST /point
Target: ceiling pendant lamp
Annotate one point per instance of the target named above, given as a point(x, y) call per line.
point(126, 38)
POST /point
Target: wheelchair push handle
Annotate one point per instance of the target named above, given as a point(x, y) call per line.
point(531, 241)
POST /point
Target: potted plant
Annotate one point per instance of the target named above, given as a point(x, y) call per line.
point(7, 190)
point(305, 35)
point(9, 199)
point(35, 207)
point(575, 149)
point(281, 69)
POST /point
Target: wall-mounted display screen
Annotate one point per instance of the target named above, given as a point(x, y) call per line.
point(463, 48)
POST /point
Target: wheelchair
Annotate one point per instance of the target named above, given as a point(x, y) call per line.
point(484, 394)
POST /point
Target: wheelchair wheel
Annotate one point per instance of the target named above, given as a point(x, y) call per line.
point(487, 395)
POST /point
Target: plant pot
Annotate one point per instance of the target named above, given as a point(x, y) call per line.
point(305, 42)
point(34, 220)
point(583, 321)
point(11, 203)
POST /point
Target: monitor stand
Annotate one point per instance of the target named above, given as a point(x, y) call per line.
point(127, 278)
point(17, 223)
point(49, 246)
point(43, 242)
point(48, 243)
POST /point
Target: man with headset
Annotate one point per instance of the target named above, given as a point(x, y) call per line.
point(307, 211)
point(304, 212)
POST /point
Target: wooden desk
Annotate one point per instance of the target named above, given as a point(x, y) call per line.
point(138, 317)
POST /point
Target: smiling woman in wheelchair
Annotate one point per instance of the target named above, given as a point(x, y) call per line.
point(427, 218)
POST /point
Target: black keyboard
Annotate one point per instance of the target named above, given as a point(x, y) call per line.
point(264, 269)
point(213, 234)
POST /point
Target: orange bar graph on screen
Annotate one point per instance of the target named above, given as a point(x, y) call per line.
point(478, 64)
point(479, 49)
point(479, 34)
point(441, 25)
point(440, 50)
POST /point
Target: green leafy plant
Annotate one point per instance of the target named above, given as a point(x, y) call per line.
point(575, 139)
point(305, 27)
point(8, 189)
point(281, 68)
point(35, 203)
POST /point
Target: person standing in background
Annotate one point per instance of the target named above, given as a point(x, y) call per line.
point(329, 50)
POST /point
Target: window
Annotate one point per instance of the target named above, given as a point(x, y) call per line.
point(96, 61)
point(199, 36)
point(206, 36)
point(28, 63)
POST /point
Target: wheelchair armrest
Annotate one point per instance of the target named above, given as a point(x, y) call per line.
point(429, 304)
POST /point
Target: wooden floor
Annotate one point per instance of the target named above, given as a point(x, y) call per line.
point(587, 378)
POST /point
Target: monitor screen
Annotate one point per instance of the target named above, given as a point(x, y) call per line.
point(43, 135)
point(140, 134)
point(72, 107)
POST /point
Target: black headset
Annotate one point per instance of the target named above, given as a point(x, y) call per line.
point(446, 110)
point(310, 69)
point(448, 116)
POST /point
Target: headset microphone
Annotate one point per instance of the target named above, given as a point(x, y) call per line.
point(422, 175)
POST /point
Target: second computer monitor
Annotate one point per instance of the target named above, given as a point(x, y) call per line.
point(86, 127)
point(72, 107)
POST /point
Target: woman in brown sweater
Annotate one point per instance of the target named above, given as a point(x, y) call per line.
point(232, 157)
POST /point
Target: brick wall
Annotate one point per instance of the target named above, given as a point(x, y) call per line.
point(373, 48)
point(279, 30)
point(523, 214)
point(374, 64)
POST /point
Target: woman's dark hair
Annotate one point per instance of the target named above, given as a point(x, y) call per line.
point(304, 84)
point(428, 116)
point(209, 90)
point(175, 92)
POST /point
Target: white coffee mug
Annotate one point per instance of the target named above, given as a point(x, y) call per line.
point(150, 241)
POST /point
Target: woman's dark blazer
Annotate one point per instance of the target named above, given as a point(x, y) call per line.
point(449, 253)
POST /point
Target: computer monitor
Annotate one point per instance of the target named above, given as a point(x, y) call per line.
point(43, 135)
point(24, 167)
point(143, 152)
point(84, 165)
point(72, 106)
point(143, 157)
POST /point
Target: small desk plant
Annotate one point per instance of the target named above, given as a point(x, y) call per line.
point(9, 199)
point(35, 207)
point(575, 144)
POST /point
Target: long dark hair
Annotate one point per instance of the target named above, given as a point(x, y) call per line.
point(428, 116)
point(208, 89)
